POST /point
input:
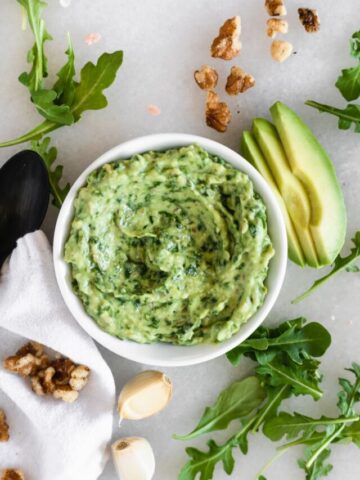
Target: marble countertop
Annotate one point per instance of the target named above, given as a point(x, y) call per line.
point(164, 42)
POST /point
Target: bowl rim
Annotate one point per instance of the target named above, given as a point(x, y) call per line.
point(159, 354)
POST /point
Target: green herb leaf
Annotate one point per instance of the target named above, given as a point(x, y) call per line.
point(292, 426)
point(355, 45)
point(36, 56)
point(236, 401)
point(352, 433)
point(340, 264)
point(49, 156)
point(349, 83)
point(94, 79)
point(294, 338)
point(347, 116)
point(319, 468)
point(46, 106)
point(302, 378)
point(88, 95)
point(65, 85)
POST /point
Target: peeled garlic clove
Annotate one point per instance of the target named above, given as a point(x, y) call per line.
point(146, 394)
point(133, 458)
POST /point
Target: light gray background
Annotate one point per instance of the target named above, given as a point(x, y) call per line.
point(164, 42)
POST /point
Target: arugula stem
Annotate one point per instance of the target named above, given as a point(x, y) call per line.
point(328, 440)
point(269, 463)
point(36, 133)
point(262, 413)
point(332, 110)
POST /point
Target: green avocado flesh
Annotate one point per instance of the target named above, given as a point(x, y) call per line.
point(169, 247)
point(251, 151)
point(291, 189)
point(310, 164)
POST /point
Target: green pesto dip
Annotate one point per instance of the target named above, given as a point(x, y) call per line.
point(169, 247)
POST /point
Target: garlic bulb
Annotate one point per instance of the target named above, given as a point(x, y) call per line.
point(146, 394)
point(133, 458)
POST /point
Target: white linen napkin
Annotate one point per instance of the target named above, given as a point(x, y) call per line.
point(49, 439)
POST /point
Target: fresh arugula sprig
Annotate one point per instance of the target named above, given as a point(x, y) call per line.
point(348, 83)
point(319, 434)
point(65, 102)
point(341, 263)
point(286, 366)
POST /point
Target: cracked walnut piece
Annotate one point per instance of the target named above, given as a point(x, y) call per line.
point(275, 8)
point(61, 377)
point(281, 50)
point(218, 114)
point(4, 427)
point(206, 77)
point(309, 19)
point(10, 474)
point(238, 81)
point(227, 44)
point(276, 25)
point(28, 360)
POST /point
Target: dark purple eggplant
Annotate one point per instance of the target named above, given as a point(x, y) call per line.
point(24, 198)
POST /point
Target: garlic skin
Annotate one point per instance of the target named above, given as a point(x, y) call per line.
point(144, 395)
point(133, 458)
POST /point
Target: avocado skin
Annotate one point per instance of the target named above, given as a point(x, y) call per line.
point(312, 165)
point(252, 153)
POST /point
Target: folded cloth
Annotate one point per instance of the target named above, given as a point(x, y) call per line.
point(49, 439)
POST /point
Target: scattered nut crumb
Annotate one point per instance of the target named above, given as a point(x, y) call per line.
point(218, 114)
point(275, 8)
point(227, 44)
point(154, 110)
point(276, 25)
point(4, 428)
point(92, 38)
point(238, 81)
point(207, 77)
point(309, 19)
point(281, 50)
point(10, 474)
point(61, 377)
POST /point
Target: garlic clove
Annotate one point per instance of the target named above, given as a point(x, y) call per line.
point(144, 395)
point(133, 458)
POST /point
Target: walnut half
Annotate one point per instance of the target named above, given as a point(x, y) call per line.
point(218, 114)
point(238, 81)
point(10, 474)
point(309, 19)
point(206, 77)
point(4, 428)
point(227, 44)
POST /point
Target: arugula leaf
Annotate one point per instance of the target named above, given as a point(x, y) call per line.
point(49, 156)
point(46, 106)
point(296, 340)
point(292, 426)
point(352, 433)
point(340, 264)
point(347, 116)
point(319, 468)
point(355, 45)
point(236, 401)
point(88, 94)
point(36, 56)
point(301, 378)
point(349, 81)
point(65, 85)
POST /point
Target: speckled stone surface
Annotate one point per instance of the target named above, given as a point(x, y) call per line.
point(164, 42)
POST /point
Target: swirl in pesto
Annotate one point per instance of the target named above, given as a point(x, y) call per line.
point(169, 247)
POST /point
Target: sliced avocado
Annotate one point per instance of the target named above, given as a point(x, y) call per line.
point(251, 151)
point(291, 189)
point(310, 163)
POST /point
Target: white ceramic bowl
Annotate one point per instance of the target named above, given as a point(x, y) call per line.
point(165, 354)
